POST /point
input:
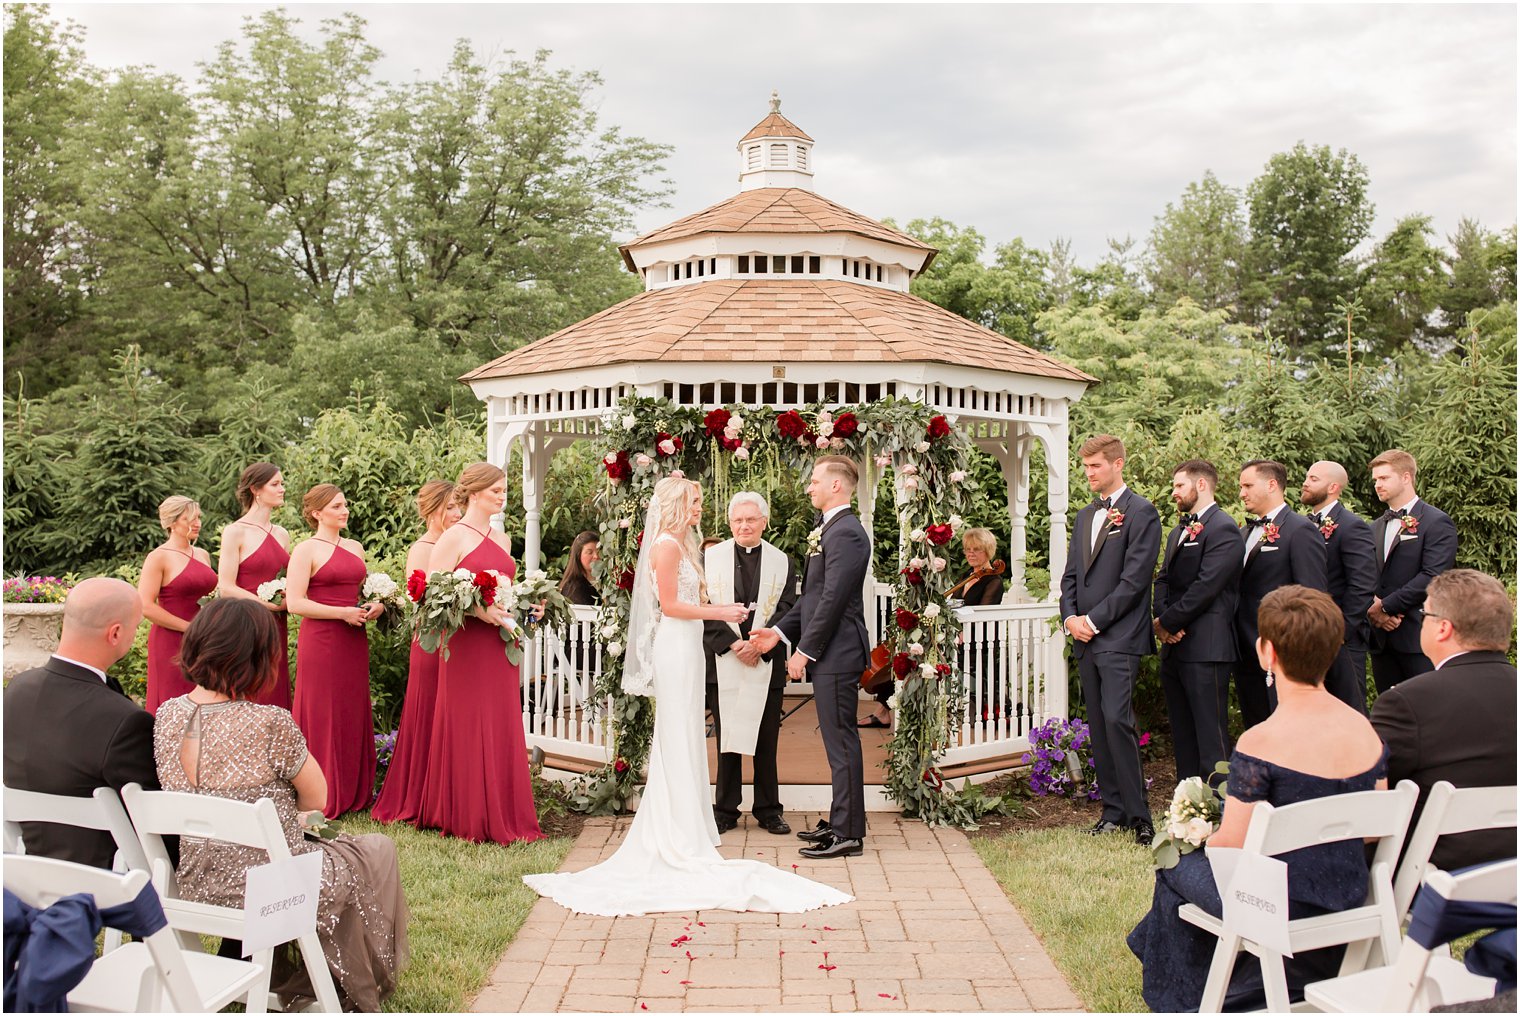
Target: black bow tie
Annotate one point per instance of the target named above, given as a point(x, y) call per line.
point(1189, 518)
point(818, 520)
point(115, 685)
point(1318, 518)
point(1105, 503)
point(1390, 515)
point(1253, 521)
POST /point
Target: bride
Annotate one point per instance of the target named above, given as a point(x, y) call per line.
point(669, 859)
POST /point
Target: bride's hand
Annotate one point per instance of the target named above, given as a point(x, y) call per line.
point(732, 612)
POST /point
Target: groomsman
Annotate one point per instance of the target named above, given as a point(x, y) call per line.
point(1415, 542)
point(1282, 548)
point(1196, 592)
point(1106, 606)
point(1350, 571)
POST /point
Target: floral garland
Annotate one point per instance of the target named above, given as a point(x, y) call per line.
point(647, 439)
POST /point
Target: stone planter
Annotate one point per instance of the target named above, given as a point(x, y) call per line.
point(31, 635)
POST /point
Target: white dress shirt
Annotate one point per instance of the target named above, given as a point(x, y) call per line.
point(1391, 534)
point(94, 670)
point(1258, 532)
point(1100, 517)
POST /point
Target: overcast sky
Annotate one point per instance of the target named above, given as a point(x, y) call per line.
point(1038, 121)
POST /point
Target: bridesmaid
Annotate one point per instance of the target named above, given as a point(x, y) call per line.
point(174, 578)
point(254, 551)
point(332, 705)
point(478, 718)
point(401, 795)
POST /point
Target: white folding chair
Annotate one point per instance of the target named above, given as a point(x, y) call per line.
point(159, 813)
point(153, 975)
point(1420, 977)
point(1382, 815)
point(1449, 811)
point(102, 811)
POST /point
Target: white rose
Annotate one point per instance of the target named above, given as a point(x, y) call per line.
point(610, 458)
point(629, 422)
point(614, 649)
point(910, 483)
point(956, 522)
point(1198, 830)
point(917, 562)
point(625, 523)
point(916, 649)
point(463, 573)
point(917, 534)
point(883, 460)
point(730, 432)
point(892, 702)
point(741, 453)
point(678, 474)
point(667, 447)
point(921, 447)
point(642, 461)
point(931, 611)
point(825, 428)
point(909, 469)
point(821, 442)
point(607, 632)
point(936, 564)
point(957, 476)
point(836, 442)
point(736, 422)
point(926, 671)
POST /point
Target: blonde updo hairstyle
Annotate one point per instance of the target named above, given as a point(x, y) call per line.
point(673, 496)
point(475, 478)
point(316, 499)
point(174, 508)
point(433, 498)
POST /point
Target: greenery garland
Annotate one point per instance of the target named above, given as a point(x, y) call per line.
point(732, 447)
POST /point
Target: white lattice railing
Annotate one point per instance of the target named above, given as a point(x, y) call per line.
point(1012, 662)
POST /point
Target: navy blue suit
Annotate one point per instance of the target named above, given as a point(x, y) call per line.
point(1417, 557)
point(1351, 572)
point(828, 625)
point(1295, 558)
point(1196, 592)
point(1111, 585)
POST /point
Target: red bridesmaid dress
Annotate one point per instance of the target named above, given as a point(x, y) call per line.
point(254, 570)
point(401, 795)
point(180, 596)
point(477, 785)
point(332, 705)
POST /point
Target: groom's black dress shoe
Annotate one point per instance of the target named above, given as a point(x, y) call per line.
point(776, 825)
point(834, 846)
point(820, 833)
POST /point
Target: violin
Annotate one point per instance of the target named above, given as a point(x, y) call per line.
point(879, 672)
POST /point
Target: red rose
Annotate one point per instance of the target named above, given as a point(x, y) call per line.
point(486, 583)
point(620, 765)
point(933, 778)
point(416, 585)
point(730, 443)
point(791, 424)
point(625, 580)
point(901, 664)
point(716, 421)
point(619, 469)
point(659, 442)
point(938, 427)
point(906, 619)
point(942, 669)
point(939, 535)
point(912, 576)
point(845, 425)
point(638, 541)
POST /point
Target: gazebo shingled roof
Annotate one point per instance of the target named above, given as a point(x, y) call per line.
point(775, 126)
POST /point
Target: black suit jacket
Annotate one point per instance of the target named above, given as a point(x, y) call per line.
point(1351, 572)
point(1197, 589)
point(827, 624)
point(1416, 558)
point(1111, 583)
point(1297, 558)
point(67, 733)
point(717, 636)
point(1456, 724)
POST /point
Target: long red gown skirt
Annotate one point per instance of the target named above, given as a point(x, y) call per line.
point(477, 785)
point(401, 795)
point(332, 705)
point(181, 596)
point(256, 569)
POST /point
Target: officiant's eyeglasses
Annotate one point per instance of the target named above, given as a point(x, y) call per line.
point(1426, 615)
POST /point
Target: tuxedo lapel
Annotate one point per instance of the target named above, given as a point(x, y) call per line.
point(1251, 554)
point(1084, 530)
point(1178, 535)
point(1097, 545)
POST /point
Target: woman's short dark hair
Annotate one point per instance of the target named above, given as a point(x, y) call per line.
point(232, 647)
point(1306, 628)
point(573, 568)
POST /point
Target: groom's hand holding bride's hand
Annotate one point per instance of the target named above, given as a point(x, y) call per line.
point(764, 639)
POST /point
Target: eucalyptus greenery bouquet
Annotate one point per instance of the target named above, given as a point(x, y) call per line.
point(449, 598)
point(380, 586)
point(1191, 819)
point(534, 589)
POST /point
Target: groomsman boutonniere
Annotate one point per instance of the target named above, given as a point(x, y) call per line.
point(1327, 528)
point(815, 542)
point(1191, 530)
point(1115, 518)
point(1409, 524)
point(1270, 532)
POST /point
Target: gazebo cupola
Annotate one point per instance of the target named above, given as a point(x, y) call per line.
point(775, 153)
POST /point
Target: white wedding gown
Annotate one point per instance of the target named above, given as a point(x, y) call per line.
point(669, 860)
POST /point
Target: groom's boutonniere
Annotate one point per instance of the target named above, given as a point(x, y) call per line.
point(1115, 518)
point(1270, 532)
point(1409, 524)
point(815, 542)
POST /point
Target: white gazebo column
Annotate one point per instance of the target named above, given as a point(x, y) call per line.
point(1056, 471)
point(1016, 473)
point(535, 470)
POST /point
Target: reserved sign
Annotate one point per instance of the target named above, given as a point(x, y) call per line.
point(280, 902)
point(1254, 891)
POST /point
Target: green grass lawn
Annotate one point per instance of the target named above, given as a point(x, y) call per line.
point(1081, 894)
point(467, 902)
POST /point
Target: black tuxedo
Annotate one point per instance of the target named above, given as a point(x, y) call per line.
point(1416, 558)
point(718, 637)
point(1295, 558)
point(827, 624)
point(1456, 724)
point(1351, 573)
point(67, 732)
point(1110, 584)
point(1196, 593)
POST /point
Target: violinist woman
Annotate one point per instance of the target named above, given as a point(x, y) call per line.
point(983, 587)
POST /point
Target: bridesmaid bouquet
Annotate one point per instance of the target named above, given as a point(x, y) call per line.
point(446, 599)
point(535, 589)
point(272, 591)
point(1191, 819)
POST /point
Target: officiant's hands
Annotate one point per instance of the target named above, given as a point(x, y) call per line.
point(746, 652)
point(764, 639)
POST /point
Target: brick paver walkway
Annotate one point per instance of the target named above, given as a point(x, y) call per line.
point(930, 930)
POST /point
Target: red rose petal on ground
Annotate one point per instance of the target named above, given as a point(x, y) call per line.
point(813, 940)
point(643, 1005)
point(827, 966)
point(883, 994)
point(685, 982)
point(689, 955)
point(664, 971)
point(827, 928)
point(701, 924)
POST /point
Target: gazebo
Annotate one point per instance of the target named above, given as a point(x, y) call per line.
point(779, 298)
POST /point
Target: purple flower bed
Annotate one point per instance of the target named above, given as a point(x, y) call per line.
point(36, 589)
point(1050, 773)
point(385, 747)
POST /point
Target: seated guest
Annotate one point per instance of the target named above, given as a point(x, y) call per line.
point(577, 585)
point(1313, 745)
point(980, 547)
point(217, 741)
point(1457, 723)
point(69, 728)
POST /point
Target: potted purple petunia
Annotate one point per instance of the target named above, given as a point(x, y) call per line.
point(33, 607)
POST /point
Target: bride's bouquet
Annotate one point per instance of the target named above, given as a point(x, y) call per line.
point(1191, 819)
point(446, 599)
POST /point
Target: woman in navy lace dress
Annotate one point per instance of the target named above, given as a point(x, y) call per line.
point(1312, 746)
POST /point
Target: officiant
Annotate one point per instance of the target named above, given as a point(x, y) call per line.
point(744, 687)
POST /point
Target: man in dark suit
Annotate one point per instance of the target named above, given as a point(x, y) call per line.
point(1457, 723)
point(747, 569)
point(1196, 591)
point(1282, 548)
point(1106, 609)
point(1350, 572)
point(826, 630)
point(1415, 542)
point(69, 728)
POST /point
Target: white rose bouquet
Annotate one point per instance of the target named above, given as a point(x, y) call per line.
point(272, 591)
point(531, 590)
point(378, 586)
point(1190, 820)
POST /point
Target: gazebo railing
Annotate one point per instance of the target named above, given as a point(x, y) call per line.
point(1011, 661)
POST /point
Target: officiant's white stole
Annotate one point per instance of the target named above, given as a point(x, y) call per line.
point(742, 690)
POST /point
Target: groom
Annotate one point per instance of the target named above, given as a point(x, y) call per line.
point(827, 632)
